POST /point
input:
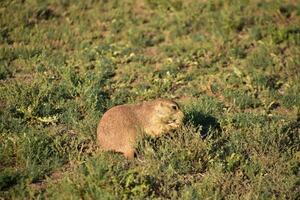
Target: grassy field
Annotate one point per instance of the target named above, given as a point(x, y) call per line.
point(233, 66)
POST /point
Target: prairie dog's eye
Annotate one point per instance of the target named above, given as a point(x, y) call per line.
point(174, 107)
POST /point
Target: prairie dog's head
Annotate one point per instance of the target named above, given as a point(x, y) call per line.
point(168, 113)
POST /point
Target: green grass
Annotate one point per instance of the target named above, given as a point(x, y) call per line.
point(233, 66)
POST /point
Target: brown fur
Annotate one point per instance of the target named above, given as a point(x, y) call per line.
point(120, 126)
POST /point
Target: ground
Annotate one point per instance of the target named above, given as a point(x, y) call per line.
point(233, 66)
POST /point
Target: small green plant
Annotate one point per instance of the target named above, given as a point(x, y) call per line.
point(241, 99)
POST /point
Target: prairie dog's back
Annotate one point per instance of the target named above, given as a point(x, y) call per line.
point(113, 129)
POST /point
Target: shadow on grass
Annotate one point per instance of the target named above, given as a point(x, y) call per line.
point(208, 123)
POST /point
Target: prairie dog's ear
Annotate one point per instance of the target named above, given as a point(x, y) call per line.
point(159, 107)
point(159, 104)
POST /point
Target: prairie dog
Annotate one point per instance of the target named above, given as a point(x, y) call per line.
point(120, 126)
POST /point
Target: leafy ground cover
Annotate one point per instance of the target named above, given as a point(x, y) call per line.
point(233, 66)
